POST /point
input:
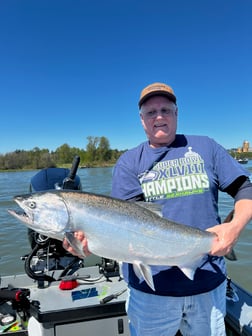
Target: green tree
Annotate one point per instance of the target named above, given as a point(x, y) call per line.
point(64, 154)
point(91, 148)
point(103, 150)
point(97, 152)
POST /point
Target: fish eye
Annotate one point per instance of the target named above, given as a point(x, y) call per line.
point(32, 205)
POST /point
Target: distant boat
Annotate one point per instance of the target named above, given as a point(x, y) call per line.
point(242, 161)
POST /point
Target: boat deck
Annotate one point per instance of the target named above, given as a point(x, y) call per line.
point(57, 312)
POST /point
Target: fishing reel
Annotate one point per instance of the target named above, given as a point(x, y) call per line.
point(109, 268)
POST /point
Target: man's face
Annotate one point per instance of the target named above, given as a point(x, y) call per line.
point(159, 119)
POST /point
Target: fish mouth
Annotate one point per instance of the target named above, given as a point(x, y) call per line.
point(21, 215)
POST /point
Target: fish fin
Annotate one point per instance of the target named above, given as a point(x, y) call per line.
point(153, 207)
point(188, 271)
point(231, 255)
point(75, 243)
point(144, 271)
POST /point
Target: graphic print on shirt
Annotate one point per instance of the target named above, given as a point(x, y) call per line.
point(175, 178)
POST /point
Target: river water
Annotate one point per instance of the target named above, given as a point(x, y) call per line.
point(13, 234)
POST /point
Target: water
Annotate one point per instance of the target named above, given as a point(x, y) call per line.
point(13, 234)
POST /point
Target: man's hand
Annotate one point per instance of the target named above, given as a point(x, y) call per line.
point(79, 235)
point(228, 232)
point(226, 237)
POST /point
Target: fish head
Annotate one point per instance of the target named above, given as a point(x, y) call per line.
point(43, 212)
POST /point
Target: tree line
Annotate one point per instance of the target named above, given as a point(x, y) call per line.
point(97, 153)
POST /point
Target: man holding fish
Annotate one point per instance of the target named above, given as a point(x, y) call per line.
point(173, 264)
point(183, 174)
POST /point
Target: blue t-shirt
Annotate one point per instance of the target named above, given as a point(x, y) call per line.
point(184, 178)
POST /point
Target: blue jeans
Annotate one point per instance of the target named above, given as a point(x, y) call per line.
point(197, 315)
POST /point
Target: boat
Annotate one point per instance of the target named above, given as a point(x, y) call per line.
point(61, 295)
point(92, 300)
point(242, 160)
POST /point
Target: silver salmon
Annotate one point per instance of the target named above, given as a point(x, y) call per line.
point(120, 230)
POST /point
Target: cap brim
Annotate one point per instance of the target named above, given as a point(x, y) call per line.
point(170, 96)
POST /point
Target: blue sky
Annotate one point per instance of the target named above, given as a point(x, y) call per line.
point(70, 69)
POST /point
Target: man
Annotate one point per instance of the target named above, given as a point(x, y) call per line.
point(183, 174)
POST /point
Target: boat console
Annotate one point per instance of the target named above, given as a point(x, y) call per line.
point(96, 304)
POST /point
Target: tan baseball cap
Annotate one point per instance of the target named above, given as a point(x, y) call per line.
point(157, 89)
